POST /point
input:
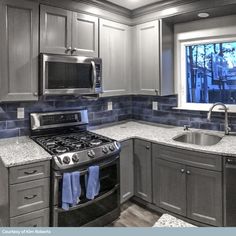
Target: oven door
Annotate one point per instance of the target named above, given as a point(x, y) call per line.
point(101, 211)
point(70, 75)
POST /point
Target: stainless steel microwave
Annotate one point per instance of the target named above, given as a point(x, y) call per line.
point(70, 75)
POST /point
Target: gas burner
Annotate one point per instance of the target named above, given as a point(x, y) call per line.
point(95, 142)
point(60, 149)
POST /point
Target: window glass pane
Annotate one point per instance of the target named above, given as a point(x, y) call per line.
point(211, 73)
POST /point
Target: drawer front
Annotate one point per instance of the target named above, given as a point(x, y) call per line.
point(34, 219)
point(29, 196)
point(187, 157)
point(29, 172)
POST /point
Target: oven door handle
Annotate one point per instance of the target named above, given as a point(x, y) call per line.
point(94, 75)
point(89, 202)
point(84, 172)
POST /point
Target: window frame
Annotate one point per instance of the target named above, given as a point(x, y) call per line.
point(181, 73)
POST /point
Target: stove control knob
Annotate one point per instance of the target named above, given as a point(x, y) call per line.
point(105, 150)
point(75, 158)
point(66, 160)
point(112, 147)
point(91, 153)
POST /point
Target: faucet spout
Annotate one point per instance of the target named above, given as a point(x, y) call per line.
point(227, 128)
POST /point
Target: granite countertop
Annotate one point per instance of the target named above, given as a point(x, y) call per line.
point(21, 150)
point(164, 135)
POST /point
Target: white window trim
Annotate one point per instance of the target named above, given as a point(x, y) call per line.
point(181, 73)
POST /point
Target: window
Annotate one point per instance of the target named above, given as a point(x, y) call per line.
point(211, 73)
point(208, 73)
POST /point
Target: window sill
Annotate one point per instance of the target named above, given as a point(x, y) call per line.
point(216, 109)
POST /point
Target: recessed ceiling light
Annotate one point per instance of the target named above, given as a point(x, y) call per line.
point(203, 14)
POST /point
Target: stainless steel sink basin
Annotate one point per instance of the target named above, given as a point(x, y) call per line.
point(198, 138)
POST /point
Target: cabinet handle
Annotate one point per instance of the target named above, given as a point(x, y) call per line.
point(188, 172)
point(35, 226)
point(182, 171)
point(30, 197)
point(68, 49)
point(30, 172)
point(74, 50)
point(147, 147)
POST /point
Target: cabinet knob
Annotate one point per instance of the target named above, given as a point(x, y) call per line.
point(182, 171)
point(147, 147)
point(188, 172)
point(74, 50)
point(156, 91)
point(68, 49)
point(35, 94)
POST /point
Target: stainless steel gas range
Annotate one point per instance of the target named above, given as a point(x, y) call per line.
point(65, 137)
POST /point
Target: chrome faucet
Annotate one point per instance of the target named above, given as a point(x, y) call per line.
point(227, 128)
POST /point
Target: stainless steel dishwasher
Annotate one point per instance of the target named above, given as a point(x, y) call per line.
point(230, 191)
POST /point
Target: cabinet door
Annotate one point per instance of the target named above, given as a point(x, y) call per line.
point(84, 35)
point(19, 50)
point(126, 170)
point(146, 58)
point(169, 186)
point(55, 30)
point(204, 196)
point(115, 52)
point(142, 170)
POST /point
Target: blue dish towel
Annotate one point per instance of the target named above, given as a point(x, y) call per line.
point(67, 195)
point(76, 188)
point(93, 184)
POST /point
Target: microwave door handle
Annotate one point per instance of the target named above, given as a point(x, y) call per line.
point(94, 75)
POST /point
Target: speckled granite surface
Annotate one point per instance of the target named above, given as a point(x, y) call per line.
point(167, 220)
point(20, 151)
point(161, 135)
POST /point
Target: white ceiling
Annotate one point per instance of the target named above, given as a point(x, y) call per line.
point(132, 4)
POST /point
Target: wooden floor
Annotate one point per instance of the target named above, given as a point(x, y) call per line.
point(133, 215)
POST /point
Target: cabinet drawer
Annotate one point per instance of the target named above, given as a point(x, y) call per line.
point(29, 172)
point(34, 219)
point(29, 196)
point(187, 157)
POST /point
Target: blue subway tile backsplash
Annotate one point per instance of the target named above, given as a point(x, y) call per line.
point(137, 107)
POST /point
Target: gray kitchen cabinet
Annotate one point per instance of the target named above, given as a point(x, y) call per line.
point(191, 187)
point(25, 195)
point(85, 35)
point(204, 196)
point(146, 58)
point(66, 32)
point(19, 50)
point(143, 170)
point(169, 186)
point(126, 171)
point(55, 30)
point(115, 51)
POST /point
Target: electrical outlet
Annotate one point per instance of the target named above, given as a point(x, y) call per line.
point(20, 113)
point(109, 106)
point(155, 106)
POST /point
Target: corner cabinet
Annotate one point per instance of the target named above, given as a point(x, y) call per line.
point(126, 171)
point(115, 51)
point(19, 50)
point(188, 183)
point(66, 32)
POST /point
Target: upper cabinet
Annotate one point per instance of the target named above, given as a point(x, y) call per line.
point(146, 58)
point(19, 50)
point(153, 58)
point(115, 51)
point(66, 32)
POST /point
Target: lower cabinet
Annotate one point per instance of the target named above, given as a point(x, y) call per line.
point(169, 186)
point(126, 171)
point(193, 192)
point(143, 170)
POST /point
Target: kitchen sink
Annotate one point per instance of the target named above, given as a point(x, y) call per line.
point(198, 138)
